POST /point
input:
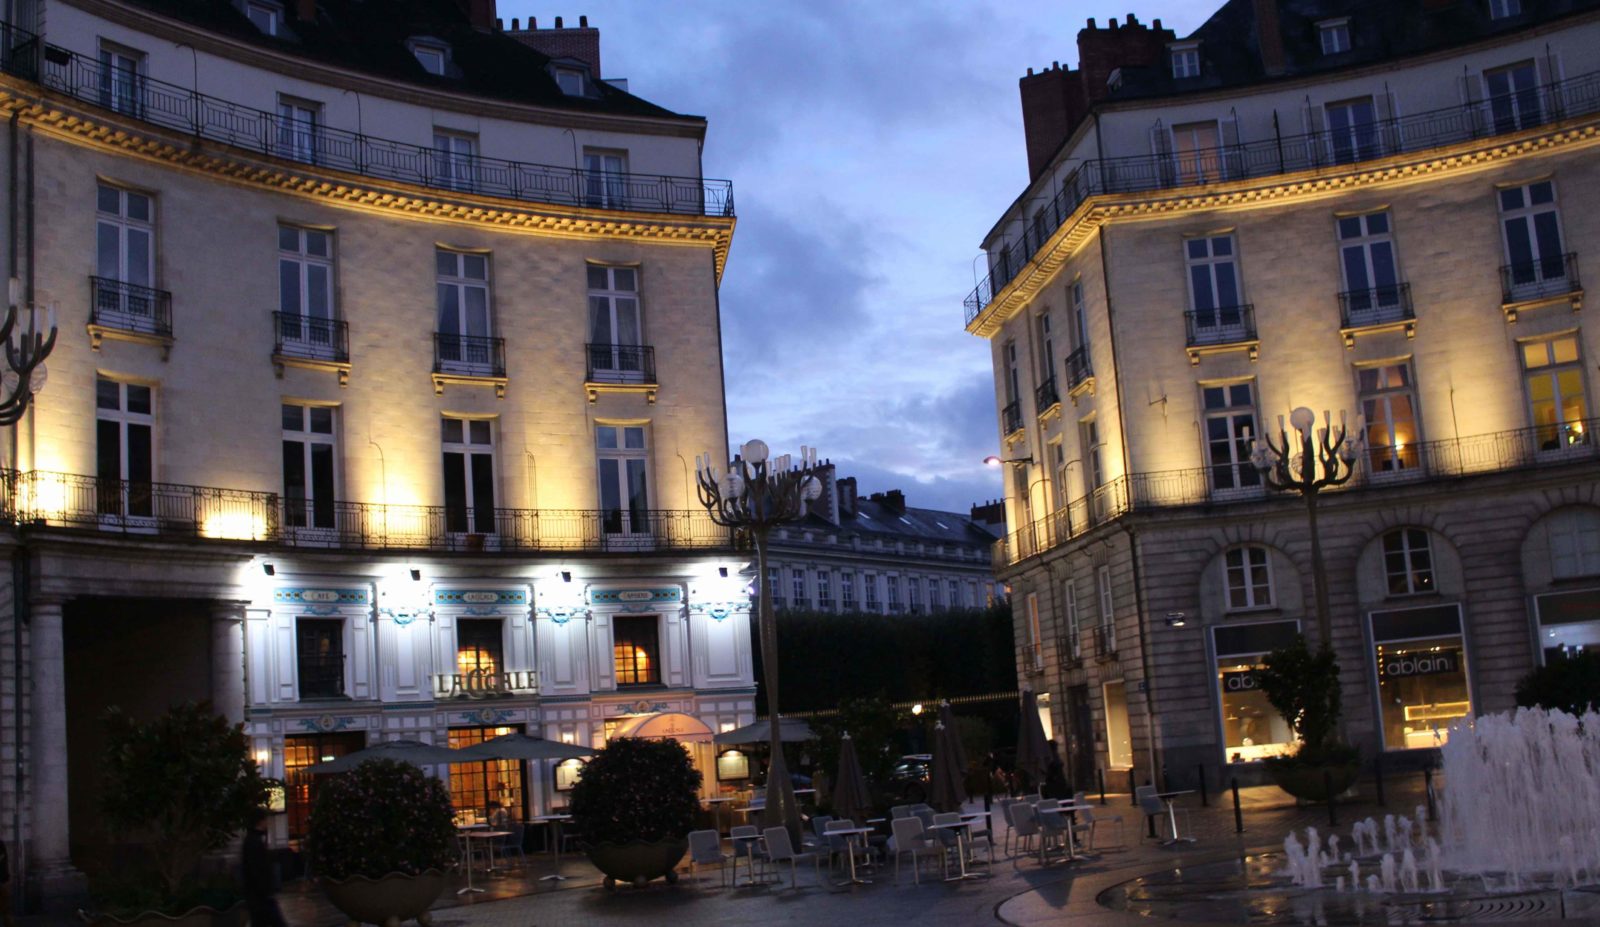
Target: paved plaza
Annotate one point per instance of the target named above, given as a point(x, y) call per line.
point(1019, 892)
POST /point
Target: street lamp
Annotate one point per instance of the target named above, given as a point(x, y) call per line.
point(753, 495)
point(25, 352)
point(1321, 459)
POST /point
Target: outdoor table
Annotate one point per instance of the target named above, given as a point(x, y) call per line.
point(960, 827)
point(1172, 818)
point(553, 822)
point(470, 834)
point(1072, 841)
point(714, 806)
point(847, 833)
point(747, 846)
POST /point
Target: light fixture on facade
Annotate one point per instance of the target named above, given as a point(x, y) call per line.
point(993, 461)
point(269, 569)
point(416, 575)
point(916, 709)
point(566, 576)
point(722, 572)
point(1177, 619)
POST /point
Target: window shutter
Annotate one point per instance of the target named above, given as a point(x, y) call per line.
point(1231, 153)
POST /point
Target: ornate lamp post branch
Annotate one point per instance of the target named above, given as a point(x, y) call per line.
point(1319, 458)
point(25, 352)
point(753, 495)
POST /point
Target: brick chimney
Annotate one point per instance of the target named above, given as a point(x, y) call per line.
point(894, 500)
point(1269, 37)
point(847, 497)
point(480, 13)
point(581, 43)
point(1130, 45)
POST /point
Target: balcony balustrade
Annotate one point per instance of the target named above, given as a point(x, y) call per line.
point(1221, 325)
point(129, 307)
point(1011, 417)
point(1384, 305)
point(1079, 370)
point(310, 338)
point(1527, 281)
point(469, 355)
point(621, 363)
point(1045, 396)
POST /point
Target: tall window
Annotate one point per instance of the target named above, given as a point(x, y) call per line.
point(305, 290)
point(1080, 317)
point(455, 158)
point(1371, 280)
point(1108, 611)
point(1556, 404)
point(798, 578)
point(297, 128)
point(1013, 375)
point(1058, 474)
point(309, 451)
point(1047, 349)
point(847, 591)
point(1514, 96)
point(125, 257)
point(124, 427)
point(1408, 561)
point(1532, 225)
point(955, 593)
point(1074, 622)
point(935, 602)
point(636, 644)
point(1185, 62)
point(1230, 424)
point(464, 322)
point(1389, 405)
point(488, 791)
point(468, 475)
point(1089, 436)
point(605, 179)
point(480, 646)
point(914, 595)
point(267, 17)
point(615, 332)
point(775, 586)
point(624, 463)
point(1334, 36)
point(1500, 9)
point(869, 591)
point(121, 79)
point(1574, 535)
point(1249, 578)
point(892, 586)
point(1214, 289)
point(1352, 130)
point(1035, 641)
point(1195, 151)
point(825, 590)
point(319, 652)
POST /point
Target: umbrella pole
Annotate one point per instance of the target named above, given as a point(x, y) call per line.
point(781, 803)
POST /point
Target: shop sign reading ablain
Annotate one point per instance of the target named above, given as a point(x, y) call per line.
point(481, 683)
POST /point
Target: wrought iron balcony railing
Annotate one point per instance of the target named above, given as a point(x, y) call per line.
point(621, 363)
point(1556, 275)
point(469, 355)
point(157, 509)
point(1011, 417)
point(129, 307)
point(371, 526)
point(1222, 325)
point(183, 109)
point(1078, 368)
point(1377, 306)
point(310, 337)
point(1269, 156)
point(1045, 395)
point(1105, 643)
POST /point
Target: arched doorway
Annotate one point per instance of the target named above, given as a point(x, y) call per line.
point(687, 730)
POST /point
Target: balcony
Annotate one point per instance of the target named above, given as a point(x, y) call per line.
point(1528, 284)
point(1105, 643)
point(309, 341)
point(1270, 156)
point(1383, 308)
point(185, 110)
point(1011, 418)
point(469, 359)
point(165, 510)
point(620, 368)
point(1045, 396)
point(1224, 328)
point(129, 312)
point(1080, 375)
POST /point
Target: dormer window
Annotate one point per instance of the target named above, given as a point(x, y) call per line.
point(267, 17)
point(432, 55)
point(1335, 35)
point(1185, 61)
point(1503, 9)
point(571, 81)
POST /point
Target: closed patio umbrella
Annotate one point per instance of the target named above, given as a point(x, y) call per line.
point(519, 746)
point(948, 719)
point(850, 799)
point(790, 731)
point(1033, 749)
point(947, 790)
point(414, 752)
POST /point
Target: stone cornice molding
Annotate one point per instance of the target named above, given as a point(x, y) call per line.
point(338, 78)
point(1261, 193)
point(70, 123)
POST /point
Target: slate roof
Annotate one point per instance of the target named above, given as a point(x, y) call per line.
point(875, 519)
point(370, 36)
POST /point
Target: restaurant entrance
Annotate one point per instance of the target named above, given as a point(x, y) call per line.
point(300, 787)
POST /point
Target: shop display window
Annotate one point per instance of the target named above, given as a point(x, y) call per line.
point(1421, 662)
point(1251, 728)
point(489, 790)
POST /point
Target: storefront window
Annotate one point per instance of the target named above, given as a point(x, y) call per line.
point(1421, 661)
point(567, 773)
point(1251, 728)
point(301, 751)
point(1569, 623)
point(1119, 735)
point(732, 765)
point(481, 791)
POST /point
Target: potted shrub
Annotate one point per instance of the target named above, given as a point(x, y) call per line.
point(380, 838)
point(181, 786)
point(1304, 688)
point(635, 805)
point(1571, 684)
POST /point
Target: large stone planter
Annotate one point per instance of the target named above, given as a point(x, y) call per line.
point(636, 861)
point(388, 901)
point(1311, 782)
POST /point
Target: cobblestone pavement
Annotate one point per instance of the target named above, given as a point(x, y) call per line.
point(1019, 892)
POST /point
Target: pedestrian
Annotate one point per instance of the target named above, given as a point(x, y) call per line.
point(5, 885)
point(1055, 777)
point(991, 771)
point(260, 881)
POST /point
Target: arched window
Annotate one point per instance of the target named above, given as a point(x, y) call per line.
point(1574, 543)
point(1408, 561)
point(1249, 577)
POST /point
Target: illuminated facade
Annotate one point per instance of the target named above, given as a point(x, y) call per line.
point(385, 335)
point(1375, 210)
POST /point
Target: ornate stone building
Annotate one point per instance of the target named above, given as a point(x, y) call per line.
point(384, 335)
point(1377, 210)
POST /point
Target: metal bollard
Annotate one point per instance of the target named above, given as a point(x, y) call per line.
point(1427, 785)
point(1327, 786)
point(1238, 812)
point(1200, 770)
point(1377, 779)
point(1100, 775)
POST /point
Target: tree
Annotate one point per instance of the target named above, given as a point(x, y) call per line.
point(1571, 684)
point(1304, 688)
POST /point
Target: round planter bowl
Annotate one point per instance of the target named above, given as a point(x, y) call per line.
point(204, 916)
point(390, 900)
point(636, 861)
point(1310, 783)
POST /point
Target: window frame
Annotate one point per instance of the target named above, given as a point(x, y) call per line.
point(1527, 215)
point(1074, 621)
point(1516, 108)
point(1386, 453)
point(124, 224)
point(1184, 61)
point(124, 96)
point(1108, 606)
point(653, 654)
point(1504, 9)
point(1568, 432)
point(605, 172)
point(627, 519)
point(1369, 244)
point(1339, 29)
point(1356, 140)
point(130, 500)
point(299, 129)
point(323, 623)
point(1407, 549)
point(439, 50)
point(470, 518)
point(309, 510)
point(1246, 571)
point(1197, 163)
point(473, 351)
point(1215, 323)
point(1035, 636)
point(1246, 478)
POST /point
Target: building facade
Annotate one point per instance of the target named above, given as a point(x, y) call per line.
point(1375, 211)
point(879, 556)
point(384, 334)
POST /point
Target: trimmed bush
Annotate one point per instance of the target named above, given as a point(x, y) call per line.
point(383, 816)
point(1571, 684)
point(636, 790)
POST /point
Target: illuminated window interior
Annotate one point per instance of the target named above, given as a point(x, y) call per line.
point(479, 645)
point(480, 791)
point(635, 647)
point(301, 751)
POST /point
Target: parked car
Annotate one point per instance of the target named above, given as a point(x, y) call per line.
point(908, 781)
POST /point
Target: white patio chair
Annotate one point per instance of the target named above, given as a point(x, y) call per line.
point(1025, 821)
point(705, 849)
point(781, 850)
point(910, 839)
